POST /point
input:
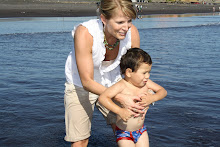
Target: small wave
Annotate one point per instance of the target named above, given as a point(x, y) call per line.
point(211, 24)
point(217, 24)
point(203, 25)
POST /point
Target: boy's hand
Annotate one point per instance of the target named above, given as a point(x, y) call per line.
point(145, 112)
point(146, 98)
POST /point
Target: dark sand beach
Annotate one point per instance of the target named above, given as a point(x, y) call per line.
point(76, 9)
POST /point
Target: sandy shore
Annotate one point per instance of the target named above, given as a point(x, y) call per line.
point(75, 9)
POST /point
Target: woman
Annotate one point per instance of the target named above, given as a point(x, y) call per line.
point(93, 65)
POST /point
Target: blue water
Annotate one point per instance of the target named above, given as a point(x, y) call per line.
point(185, 50)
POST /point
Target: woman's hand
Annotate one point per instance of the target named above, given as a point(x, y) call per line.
point(130, 102)
point(125, 114)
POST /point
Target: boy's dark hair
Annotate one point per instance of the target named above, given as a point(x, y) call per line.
point(133, 59)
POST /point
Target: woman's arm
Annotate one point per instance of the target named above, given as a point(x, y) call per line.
point(83, 42)
point(106, 100)
point(135, 38)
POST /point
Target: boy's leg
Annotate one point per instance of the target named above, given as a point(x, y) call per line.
point(125, 143)
point(143, 141)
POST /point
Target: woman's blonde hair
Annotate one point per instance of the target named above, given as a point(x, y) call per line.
point(109, 7)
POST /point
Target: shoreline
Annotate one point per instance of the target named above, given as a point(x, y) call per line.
point(78, 9)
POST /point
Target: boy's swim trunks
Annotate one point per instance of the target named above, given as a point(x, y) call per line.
point(126, 135)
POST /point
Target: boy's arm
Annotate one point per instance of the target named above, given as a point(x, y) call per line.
point(160, 93)
point(106, 100)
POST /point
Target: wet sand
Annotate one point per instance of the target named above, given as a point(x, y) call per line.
point(76, 9)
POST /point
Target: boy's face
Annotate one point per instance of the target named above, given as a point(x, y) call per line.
point(141, 76)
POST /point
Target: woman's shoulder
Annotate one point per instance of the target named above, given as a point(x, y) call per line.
point(93, 26)
point(81, 31)
point(82, 34)
point(134, 28)
point(135, 38)
point(87, 25)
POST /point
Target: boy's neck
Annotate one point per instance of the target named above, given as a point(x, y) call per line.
point(127, 79)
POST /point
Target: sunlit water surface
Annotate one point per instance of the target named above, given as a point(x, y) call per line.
point(185, 50)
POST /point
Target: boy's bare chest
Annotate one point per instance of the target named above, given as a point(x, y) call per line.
point(135, 91)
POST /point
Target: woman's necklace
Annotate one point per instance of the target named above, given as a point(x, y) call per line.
point(108, 46)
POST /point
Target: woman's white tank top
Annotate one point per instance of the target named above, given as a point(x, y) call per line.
point(106, 75)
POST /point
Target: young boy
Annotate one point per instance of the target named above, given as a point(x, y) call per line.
point(135, 66)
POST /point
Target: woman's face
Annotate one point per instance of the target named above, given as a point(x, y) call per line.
point(118, 25)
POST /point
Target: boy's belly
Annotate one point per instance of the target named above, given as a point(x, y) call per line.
point(132, 124)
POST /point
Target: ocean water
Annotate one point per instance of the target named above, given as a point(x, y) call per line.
point(185, 50)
